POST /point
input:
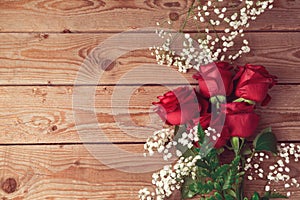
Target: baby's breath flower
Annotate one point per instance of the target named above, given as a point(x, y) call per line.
point(206, 51)
point(170, 178)
point(159, 141)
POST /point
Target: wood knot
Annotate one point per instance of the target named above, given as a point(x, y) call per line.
point(54, 128)
point(107, 65)
point(9, 185)
point(173, 16)
point(77, 162)
point(66, 31)
point(45, 36)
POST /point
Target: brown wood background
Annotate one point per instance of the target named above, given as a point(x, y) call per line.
point(42, 45)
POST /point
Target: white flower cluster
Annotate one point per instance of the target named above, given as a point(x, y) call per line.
point(212, 133)
point(190, 56)
point(160, 141)
point(187, 139)
point(163, 141)
point(253, 166)
point(279, 172)
point(170, 178)
point(212, 46)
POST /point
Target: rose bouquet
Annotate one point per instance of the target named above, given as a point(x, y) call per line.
point(205, 124)
point(216, 119)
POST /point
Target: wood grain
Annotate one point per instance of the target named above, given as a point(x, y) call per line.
point(113, 15)
point(123, 114)
point(71, 172)
point(47, 152)
point(56, 59)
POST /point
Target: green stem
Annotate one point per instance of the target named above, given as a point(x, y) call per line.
point(187, 17)
point(240, 186)
point(240, 189)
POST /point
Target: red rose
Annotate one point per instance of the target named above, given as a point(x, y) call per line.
point(178, 106)
point(215, 79)
point(240, 119)
point(254, 83)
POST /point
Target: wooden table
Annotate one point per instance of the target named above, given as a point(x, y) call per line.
point(42, 46)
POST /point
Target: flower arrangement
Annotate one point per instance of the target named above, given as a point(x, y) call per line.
point(217, 118)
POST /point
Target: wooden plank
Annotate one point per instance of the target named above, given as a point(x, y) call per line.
point(45, 114)
point(71, 172)
point(104, 15)
point(56, 59)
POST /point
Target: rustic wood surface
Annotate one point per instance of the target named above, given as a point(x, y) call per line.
point(115, 16)
point(43, 43)
point(35, 58)
point(70, 172)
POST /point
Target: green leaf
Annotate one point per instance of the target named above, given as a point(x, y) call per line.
point(247, 151)
point(244, 100)
point(217, 186)
point(210, 198)
point(201, 133)
point(255, 196)
point(229, 197)
point(231, 192)
point(205, 188)
point(228, 180)
point(186, 192)
point(275, 195)
point(265, 141)
point(220, 151)
point(218, 196)
point(220, 171)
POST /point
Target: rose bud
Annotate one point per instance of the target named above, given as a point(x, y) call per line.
point(253, 83)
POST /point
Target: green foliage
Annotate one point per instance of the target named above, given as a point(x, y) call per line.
point(186, 192)
point(255, 196)
point(244, 100)
point(246, 151)
point(201, 134)
point(265, 141)
point(216, 181)
point(274, 195)
point(222, 180)
point(267, 196)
